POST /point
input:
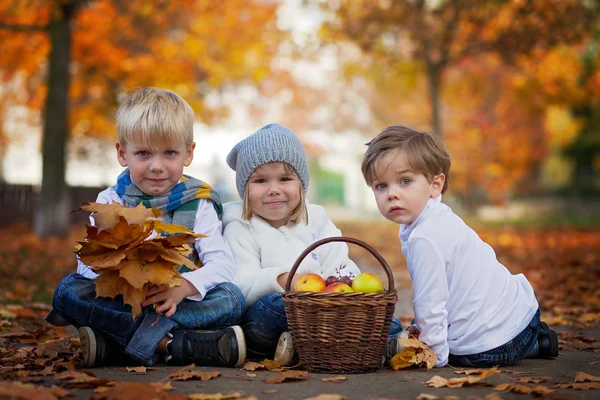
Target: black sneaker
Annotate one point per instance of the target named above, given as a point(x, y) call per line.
point(547, 342)
point(92, 347)
point(219, 348)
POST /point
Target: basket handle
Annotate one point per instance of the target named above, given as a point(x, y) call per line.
point(318, 243)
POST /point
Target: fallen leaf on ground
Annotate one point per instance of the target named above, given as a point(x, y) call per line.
point(328, 397)
point(437, 381)
point(271, 365)
point(216, 396)
point(289, 375)
point(334, 379)
point(578, 385)
point(523, 389)
point(81, 379)
point(180, 375)
point(534, 379)
point(135, 390)
point(25, 391)
point(583, 377)
point(413, 353)
point(253, 366)
point(138, 370)
point(425, 396)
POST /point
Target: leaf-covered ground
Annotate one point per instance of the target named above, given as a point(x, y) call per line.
point(40, 361)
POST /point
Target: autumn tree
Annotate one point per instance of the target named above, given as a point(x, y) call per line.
point(440, 34)
point(76, 59)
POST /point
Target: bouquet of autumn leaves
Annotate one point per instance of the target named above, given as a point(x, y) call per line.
point(119, 248)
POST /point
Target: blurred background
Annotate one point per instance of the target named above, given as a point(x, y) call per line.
point(512, 87)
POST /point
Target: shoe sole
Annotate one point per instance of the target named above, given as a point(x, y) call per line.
point(285, 349)
point(241, 340)
point(87, 346)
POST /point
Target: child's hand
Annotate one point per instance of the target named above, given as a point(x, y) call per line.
point(414, 331)
point(282, 279)
point(169, 297)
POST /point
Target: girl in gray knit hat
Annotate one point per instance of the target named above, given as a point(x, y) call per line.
point(269, 229)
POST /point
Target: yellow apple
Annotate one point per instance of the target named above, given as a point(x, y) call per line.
point(338, 287)
point(310, 283)
point(367, 283)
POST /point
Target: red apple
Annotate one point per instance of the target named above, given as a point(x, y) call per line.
point(367, 283)
point(310, 283)
point(338, 287)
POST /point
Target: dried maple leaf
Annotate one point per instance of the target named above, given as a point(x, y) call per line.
point(216, 396)
point(437, 381)
point(181, 375)
point(18, 391)
point(121, 249)
point(253, 366)
point(289, 375)
point(328, 397)
point(413, 353)
point(334, 379)
point(583, 377)
point(134, 390)
point(523, 389)
point(271, 365)
point(579, 385)
point(534, 379)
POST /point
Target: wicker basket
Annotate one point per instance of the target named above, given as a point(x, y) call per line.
point(340, 332)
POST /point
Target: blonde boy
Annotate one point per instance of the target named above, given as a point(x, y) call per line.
point(468, 307)
point(155, 144)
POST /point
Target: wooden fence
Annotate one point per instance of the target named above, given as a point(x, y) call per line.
point(18, 202)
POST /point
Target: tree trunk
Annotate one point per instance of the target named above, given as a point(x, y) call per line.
point(433, 79)
point(52, 214)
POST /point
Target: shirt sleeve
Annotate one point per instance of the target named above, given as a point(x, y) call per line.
point(218, 265)
point(334, 255)
point(430, 286)
point(253, 280)
point(107, 196)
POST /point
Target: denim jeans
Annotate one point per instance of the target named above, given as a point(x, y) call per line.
point(524, 345)
point(75, 300)
point(265, 320)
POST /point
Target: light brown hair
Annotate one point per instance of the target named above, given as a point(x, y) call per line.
point(425, 153)
point(300, 213)
point(153, 117)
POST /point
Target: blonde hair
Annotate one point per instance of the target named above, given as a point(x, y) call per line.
point(425, 153)
point(153, 117)
point(300, 213)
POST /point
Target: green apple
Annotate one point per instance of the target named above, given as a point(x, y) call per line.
point(367, 283)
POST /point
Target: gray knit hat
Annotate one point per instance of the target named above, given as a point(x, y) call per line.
point(271, 143)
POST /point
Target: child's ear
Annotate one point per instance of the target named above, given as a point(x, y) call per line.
point(189, 156)
point(121, 154)
point(437, 185)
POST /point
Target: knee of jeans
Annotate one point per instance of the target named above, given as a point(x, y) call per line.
point(237, 296)
point(395, 326)
point(62, 291)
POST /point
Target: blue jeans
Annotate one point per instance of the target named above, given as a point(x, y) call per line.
point(265, 320)
point(524, 345)
point(75, 300)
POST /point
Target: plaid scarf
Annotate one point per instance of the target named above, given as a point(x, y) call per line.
point(179, 206)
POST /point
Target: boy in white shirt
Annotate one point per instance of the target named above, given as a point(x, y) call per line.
point(468, 307)
point(155, 143)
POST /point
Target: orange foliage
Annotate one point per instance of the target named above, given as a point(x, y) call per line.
point(187, 46)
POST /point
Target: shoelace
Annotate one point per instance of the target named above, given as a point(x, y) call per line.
point(204, 347)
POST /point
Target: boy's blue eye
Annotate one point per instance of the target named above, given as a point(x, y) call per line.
point(380, 186)
point(142, 153)
point(406, 181)
point(170, 152)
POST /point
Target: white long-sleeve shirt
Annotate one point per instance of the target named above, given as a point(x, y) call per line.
point(465, 301)
point(218, 265)
point(262, 252)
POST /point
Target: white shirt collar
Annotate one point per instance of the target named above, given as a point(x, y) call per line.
point(406, 230)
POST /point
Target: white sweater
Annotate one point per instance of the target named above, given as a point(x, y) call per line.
point(213, 250)
point(465, 301)
point(262, 252)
